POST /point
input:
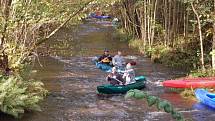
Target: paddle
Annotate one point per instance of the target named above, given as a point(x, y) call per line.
point(105, 60)
point(117, 81)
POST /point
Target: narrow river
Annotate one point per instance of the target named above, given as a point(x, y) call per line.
point(72, 79)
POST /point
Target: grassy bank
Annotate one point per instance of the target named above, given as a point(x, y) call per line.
point(186, 57)
point(171, 57)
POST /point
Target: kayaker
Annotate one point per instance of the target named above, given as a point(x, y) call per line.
point(105, 58)
point(115, 78)
point(129, 74)
point(98, 12)
point(118, 60)
point(115, 21)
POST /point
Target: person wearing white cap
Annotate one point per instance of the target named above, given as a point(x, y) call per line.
point(129, 74)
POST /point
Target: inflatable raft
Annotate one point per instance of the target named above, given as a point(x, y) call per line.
point(119, 89)
point(205, 97)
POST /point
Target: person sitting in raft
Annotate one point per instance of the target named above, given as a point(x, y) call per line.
point(129, 74)
point(118, 60)
point(105, 58)
point(115, 78)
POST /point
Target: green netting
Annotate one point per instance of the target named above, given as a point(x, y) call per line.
point(153, 100)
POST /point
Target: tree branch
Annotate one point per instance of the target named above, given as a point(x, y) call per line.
point(58, 28)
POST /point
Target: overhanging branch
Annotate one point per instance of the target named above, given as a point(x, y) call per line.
point(64, 23)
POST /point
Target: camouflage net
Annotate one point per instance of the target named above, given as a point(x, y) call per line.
point(152, 100)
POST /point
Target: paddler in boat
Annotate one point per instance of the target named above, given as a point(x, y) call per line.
point(129, 74)
point(119, 61)
point(98, 12)
point(115, 78)
point(106, 58)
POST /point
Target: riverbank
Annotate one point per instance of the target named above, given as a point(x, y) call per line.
point(179, 58)
point(174, 58)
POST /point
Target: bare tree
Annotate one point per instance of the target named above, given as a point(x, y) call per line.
point(200, 35)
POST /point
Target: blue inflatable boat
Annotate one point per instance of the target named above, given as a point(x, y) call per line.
point(101, 17)
point(104, 67)
point(205, 97)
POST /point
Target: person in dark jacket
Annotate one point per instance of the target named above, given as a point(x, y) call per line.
point(105, 58)
point(115, 78)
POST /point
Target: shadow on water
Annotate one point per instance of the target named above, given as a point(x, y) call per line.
point(72, 79)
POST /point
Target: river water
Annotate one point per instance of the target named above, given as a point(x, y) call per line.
point(71, 78)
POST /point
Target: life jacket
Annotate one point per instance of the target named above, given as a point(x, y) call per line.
point(106, 60)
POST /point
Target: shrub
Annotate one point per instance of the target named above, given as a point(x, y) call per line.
point(122, 35)
point(18, 95)
point(201, 73)
point(137, 44)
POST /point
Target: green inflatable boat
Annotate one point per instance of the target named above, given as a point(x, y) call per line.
point(120, 89)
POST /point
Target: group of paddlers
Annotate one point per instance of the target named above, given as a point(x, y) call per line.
point(122, 73)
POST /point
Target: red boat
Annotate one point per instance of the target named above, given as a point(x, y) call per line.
point(208, 82)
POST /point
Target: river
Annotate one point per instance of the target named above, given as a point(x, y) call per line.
point(71, 79)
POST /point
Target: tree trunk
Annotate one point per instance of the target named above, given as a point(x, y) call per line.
point(169, 22)
point(213, 46)
point(6, 12)
point(200, 37)
point(145, 24)
point(154, 22)
point(173, 23)
point(149, 23)
point(166, 22)
point(186, 21)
